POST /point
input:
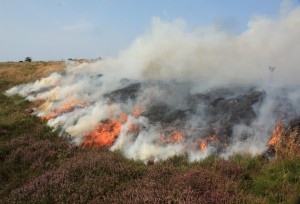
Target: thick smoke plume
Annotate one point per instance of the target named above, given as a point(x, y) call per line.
point(176, 91)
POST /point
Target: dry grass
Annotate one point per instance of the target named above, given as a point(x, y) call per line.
point(37, 166)
point(289, 145)
point(13, 73)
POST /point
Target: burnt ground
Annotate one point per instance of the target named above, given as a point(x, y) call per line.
point(38, 166)
point(220, 110)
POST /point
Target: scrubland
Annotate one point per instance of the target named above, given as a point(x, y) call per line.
point(38, 166)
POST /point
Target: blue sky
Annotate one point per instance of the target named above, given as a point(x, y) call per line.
point(61, 29)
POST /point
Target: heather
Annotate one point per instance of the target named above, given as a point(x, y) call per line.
point(38, 166)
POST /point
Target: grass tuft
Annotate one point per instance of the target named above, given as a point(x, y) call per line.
point(39, 166)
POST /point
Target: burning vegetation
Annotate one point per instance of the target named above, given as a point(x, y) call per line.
point(171, 98)
point(277, 134)
point(203, 92)
point(104, 134)
point(201, 124)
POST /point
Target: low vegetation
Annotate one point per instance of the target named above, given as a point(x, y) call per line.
point(37, 166)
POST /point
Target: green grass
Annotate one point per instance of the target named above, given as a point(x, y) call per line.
point(39, 166)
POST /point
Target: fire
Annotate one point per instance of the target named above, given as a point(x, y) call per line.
point(123, 118)
point(203, 145)
point(66, 108)
point(177, 137)
point(107, 132)
point(50, 116)
point(277, 134)
point(137, 111)
point(45, 106)
point(104, 134)
point(37, 103)
point(215, 140)
point(211, 138)
point(172, 138)
point(133, 128)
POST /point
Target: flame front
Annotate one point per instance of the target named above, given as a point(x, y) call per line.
point(277, 134)
point(107, 132)
point(172, 138)
point(203, 145)
point(70, 106)
point(104, 134)
point(133, 128)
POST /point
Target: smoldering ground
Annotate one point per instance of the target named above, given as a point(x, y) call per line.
point(180, 91)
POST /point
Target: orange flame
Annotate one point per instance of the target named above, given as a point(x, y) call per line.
point(172, 138)
point(104, 134)
point(37, 103)
point(123, 118)
point(49, 116)
point(133, 128)
point(137, 112)
point(67, 108)
point(177, 137)
point(277, 134)
point(202, 145)
point(209, 139)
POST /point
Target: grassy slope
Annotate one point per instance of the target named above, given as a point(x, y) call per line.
point(38, 166)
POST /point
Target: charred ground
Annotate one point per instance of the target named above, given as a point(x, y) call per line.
point(38, 166)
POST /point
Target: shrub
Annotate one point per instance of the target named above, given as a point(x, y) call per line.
point(28, 59)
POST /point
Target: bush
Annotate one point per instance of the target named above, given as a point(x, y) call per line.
point(28, 59)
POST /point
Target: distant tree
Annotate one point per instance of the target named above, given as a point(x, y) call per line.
point(28, 59)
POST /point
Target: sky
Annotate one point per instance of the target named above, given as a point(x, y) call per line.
point(61, 29)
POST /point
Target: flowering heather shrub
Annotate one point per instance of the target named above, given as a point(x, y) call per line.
point(207, 186)
point(171, 185)
point(29, 152)
point(151, 188)
point(140, 191)
point(25, 157)
point(38, 189)
point(86, 176)
point(100, 176)
point(3, 131)
point(229, 169)
point(36, 166)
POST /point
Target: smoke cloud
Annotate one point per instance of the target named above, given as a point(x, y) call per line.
point(195, 92)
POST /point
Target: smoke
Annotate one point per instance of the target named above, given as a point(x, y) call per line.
point(171, 51)
point(197, 92)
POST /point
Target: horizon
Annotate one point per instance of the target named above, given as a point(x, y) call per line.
point(54, 31)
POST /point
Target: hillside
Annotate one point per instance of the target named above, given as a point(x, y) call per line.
point(38, 166)
point(12, 73)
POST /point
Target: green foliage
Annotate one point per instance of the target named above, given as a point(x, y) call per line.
point(28, 59)
point(179, 161)
point(38, 165)
point(36, 162)
point(278, 180)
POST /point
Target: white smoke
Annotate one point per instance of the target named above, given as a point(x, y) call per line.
point(183, 62)
point(170, 51)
